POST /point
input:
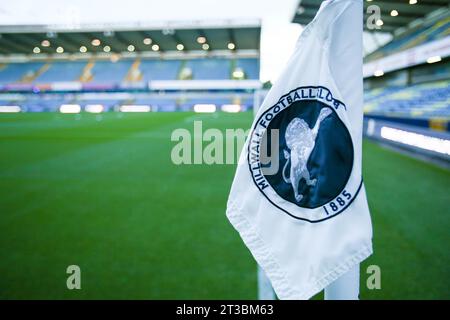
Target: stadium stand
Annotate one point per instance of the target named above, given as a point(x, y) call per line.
point(435, 28)
point(160, 69)
point(413, 92)
point(209, 69)
point(421, 100)
point(16, 72)
point(61, 71)
point(107, 71)
point(408, 82)
point(101, 71)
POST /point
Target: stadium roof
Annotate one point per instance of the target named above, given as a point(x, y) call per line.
point(406, 12)
point(135, 38)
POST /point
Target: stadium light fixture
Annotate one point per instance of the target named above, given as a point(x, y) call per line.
point(232, 108)
point(45, 43)
point(135, 108)
point(36, 50)
point(201, 39)
point(205, 108)
point(378, 73)
point(70, 108)
point(417, 140)
point(60, 50)
point(130, 48)
point(394, 13)
point(231, 46)
point(155, 47)
point(106, 48)
point(94, 108)
point(95, 42)
point(434, 59)
point(238, 74)
point(412, 1)
point(180, 47)
point(147, 41)
point(83, 49)
point(205, 46)
point(10, 109)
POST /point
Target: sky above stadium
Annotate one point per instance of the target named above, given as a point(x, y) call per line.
point(278, 35)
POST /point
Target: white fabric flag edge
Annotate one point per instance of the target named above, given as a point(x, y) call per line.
point(278, 279)
point(263, 255)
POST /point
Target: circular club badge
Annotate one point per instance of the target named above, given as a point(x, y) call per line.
point(301, 155)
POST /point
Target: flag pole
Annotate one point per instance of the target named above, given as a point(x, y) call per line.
point(346, 287)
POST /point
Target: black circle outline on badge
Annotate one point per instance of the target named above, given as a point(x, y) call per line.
point(353, 150)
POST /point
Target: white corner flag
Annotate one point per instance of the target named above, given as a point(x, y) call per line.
point(298, 199)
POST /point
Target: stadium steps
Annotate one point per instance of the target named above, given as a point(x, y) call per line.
point(86, 75)
point(233, 66)
point(134, 74)
point(30, 77)
point(61, 71)
point(181, 74)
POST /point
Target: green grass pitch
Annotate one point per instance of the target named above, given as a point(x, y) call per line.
point(104, 195)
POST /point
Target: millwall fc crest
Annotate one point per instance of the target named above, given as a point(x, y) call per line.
point(301, 155)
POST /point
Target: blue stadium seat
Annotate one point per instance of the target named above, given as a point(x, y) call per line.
point(418, 101)
point(62, 71)
point(14, 72)
point(110, 72)
point(210, 69)
point(159, 69)
point(250, 67)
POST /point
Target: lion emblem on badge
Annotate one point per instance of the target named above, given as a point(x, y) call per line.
point(300, 155)
point(301, 139)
